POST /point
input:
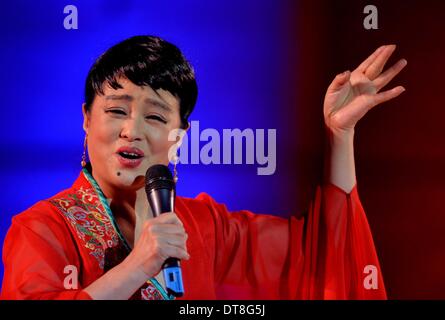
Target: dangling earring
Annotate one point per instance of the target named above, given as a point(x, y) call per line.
point(175, 172)
point(84, 155)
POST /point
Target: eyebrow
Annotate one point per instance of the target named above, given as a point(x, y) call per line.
point(130, 98)
point(119, 97)
point(160, 104)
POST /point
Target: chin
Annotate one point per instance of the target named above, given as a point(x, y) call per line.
point(130, 178)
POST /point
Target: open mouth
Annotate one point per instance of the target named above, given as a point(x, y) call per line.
point(130, 155)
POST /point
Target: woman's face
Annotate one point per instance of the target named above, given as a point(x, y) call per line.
point(128, 132)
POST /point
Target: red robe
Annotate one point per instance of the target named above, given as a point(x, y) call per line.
point(233, 255)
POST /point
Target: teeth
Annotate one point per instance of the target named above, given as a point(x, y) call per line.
point(130, 155)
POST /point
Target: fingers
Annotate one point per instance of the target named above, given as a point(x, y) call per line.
point(339, 81)
point(169, 240)
point(365, 64)
point(167, 223)
point(389, 74)
point(173, 246)
point(174, 240)
point(376, 67)
point(166, 228)
point(169, 217)
point(387, 95)
point(175, 252)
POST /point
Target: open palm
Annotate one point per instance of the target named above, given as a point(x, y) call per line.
point(352, 94)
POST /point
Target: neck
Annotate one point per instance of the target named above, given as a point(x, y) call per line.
point(131, 204)
point(130, 208)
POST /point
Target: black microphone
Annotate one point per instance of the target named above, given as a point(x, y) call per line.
point(161, 192)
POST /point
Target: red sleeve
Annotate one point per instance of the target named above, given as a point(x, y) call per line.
point(327, 254)
point(36, 251)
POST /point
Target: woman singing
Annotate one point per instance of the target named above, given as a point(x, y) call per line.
point(99, 239)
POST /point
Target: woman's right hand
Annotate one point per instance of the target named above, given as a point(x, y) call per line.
point(161, 238)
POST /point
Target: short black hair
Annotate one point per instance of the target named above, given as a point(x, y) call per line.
point(145, 61)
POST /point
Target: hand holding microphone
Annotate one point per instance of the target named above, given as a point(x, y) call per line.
point(163, 239)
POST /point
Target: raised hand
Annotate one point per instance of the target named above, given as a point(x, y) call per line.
point(352, 94)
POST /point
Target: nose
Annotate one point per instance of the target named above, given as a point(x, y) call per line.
point(132, 129)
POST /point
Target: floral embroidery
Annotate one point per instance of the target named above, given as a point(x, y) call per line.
point(150, 293)
point(87, 216)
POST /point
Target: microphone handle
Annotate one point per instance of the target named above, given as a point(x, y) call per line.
point(162, 201)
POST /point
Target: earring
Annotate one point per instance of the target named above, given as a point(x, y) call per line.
point(83, 163)
point(175, 172)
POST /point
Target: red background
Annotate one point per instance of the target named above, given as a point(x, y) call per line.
point(400, 146)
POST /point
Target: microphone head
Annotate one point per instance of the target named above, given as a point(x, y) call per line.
point(158, 176)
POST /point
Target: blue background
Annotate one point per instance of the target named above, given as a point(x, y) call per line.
point(239, 52)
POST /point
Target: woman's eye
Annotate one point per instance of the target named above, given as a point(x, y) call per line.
point(157, 118)
point(117, 111)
